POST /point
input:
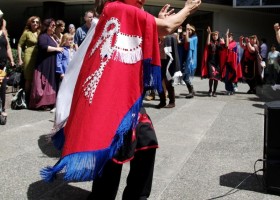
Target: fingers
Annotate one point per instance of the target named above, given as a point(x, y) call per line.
point(165, 8)
point(171, 12)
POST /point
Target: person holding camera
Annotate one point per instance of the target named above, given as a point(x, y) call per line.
point(249, 62)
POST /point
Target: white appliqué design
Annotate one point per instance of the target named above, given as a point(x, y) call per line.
point(127, 49)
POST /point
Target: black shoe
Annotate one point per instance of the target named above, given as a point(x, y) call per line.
point(214, 94)
point(171, 105)
point(160, 105)
point(251, 91)
point(209, 93)
point(189, 96)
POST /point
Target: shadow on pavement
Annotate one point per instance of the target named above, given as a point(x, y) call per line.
point(240, 181)
point(47, 147)
point(253, 182)
point(57, 190)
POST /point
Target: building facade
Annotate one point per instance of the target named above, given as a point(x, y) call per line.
point(218, 14)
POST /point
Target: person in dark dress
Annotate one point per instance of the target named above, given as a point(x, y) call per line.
point(249, 62)
point(5, 54)
point(211, 68)
point(43, 92)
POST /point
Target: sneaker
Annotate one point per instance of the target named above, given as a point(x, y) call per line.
point(235, 89)
point(214, 94)
point(53, 110)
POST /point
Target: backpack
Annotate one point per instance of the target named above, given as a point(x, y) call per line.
point(18, 101)
point(14, 79)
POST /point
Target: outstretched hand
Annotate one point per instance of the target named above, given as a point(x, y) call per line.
point(165, 12)
point(208, 30)
point(276, 26)
point(193, 5)
point(227, 33)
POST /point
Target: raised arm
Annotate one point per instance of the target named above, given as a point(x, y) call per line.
point(227, 38)
point(209, 35)
point(277, 32)
point(172, 22)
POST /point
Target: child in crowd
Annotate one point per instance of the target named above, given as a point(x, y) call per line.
point(63, 58)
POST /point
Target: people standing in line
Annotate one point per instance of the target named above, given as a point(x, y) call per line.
point(28, 46)
point(170, 66)
point(249, 62)
point(59, 29)
point(191, 42)
point(81, 32)
point(43, 92)
point(99, 131)
point(211, 68)
point(5, 55)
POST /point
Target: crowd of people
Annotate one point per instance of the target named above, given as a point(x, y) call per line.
point(74, 74)
point(223, 60)
point(41, 45)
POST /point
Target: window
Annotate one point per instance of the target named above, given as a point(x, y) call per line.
point(256, 3)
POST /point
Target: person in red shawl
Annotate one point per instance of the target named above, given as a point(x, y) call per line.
point(122, 61)
point(249, 62)
point(231, 68)
point(211, 62)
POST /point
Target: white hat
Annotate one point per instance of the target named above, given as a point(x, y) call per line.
point(1, 14)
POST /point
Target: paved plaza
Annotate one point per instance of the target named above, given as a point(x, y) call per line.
point(208, 145)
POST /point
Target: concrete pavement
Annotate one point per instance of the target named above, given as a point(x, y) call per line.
point(208, 145)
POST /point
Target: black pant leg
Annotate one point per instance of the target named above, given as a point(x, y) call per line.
point(170, 90)
point(3, 92)
point(140, 177)
point(106, 186)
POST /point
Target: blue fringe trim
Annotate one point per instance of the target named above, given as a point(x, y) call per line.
point(152, 76)
point(85, 166)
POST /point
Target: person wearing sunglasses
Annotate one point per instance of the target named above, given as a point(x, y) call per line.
point(27, 51)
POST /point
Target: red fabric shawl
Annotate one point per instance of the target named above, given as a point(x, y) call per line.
point(204, 65)
point(233, 60)
point(108, 94)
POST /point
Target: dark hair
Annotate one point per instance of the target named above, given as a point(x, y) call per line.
point(273, 45)
point(60, 23)
point(99, 5)
point(45, 25)
point(263, 40)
